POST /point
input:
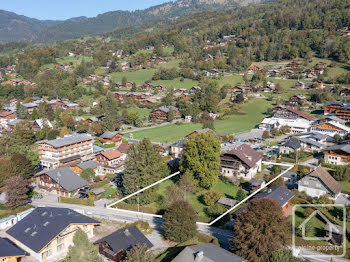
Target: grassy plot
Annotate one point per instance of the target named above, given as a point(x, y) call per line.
point(176, 83)
point(143, 112)
point(67, 60)
point(139, 76)
point(252, 114)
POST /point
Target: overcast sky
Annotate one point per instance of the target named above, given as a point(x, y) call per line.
point(64, 9)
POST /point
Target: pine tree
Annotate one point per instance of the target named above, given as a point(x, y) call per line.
point(180, 222)
point(202, 159)
point(144, 166)
point(83, 250)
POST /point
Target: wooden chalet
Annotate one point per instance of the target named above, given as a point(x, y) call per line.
point(293, 65)
point(109, 158)
point(162, 113)
point(115, 245)
point(296, 100)
point(339, 109)
point(109, 137)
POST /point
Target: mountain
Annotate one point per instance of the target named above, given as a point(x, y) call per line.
point(15, 27)
point(20, 28)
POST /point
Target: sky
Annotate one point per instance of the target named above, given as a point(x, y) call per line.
point(64, 9)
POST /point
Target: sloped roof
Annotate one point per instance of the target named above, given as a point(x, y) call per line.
point(292, 143)
point(88, 164)
point(327, 179)
point(209, 253)
point(279, 194)
point(125, 239)
point(344, 147)
point(109, 134)
point(9, 249)
point(301, 114)
point(246, 154)
point(69, 140)
point(112, 154)
point(66, 178)
point(41, 226)
point(124, 148)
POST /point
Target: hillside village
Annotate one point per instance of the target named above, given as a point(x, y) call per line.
point(199, 141)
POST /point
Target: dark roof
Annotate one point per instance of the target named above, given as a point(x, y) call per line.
point(66, 178)
point(9, 249)
point(69, 140)
point(246, 154)
point(125, 239)
point(69, 159)
point(327, 179)
point(88, 164)
point(292, 143)
point(44, 224)
point(209, 253)
point(227, 201)
point(344, 147)
point(256, 182)
point(279, 194)
point(109, 134)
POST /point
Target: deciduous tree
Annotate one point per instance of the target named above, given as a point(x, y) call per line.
point(139, 253)
point(16, 189)
point(202, 159)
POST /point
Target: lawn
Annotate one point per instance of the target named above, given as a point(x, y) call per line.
point(176, 83)
point(143, 112)
point(252, 114)
point(345, 185)
point(67, 60)
point(139, 76)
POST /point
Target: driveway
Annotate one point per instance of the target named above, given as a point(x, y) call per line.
point(343, 199)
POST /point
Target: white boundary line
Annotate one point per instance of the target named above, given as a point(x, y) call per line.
point(290, 166)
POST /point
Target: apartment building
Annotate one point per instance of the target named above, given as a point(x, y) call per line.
point(337, 155)
point(61, 151)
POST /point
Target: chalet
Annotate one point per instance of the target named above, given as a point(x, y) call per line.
point(115, 245)
point(300, 85)
point(317, 84)
point(253, 69)
point(124, 148)
point(317, 70)
point(177, 148)
point(338, 109)
point(345, 92)
point(147, 86)
point(292, 145)
point(39, 124)
point(17, 82)
point(109, 158)
point(311, 75)
point(5, 117)
point(314, 141)
point(29, 107)
point(298, 121)
point(53, 151)
point(241, 162)
point(109, 137)
point(337, 155)
point(243, 89)
point(212, 73)
point(194, 89)
point(206, 253)
point(288, 73)
point(330, 128)
point(80, 167)
point(318, 183)
point(125, 65)
point(121, 95)
point(296, 100)
point(9, 251)
point(321, 65)
point(161, 88)
point(162, 113)
point(61, 181)
point(279, 194)
point(47, 232)
point(293, 65)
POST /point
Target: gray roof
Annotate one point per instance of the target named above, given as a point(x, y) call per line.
point(345, 148)
point(109, 134)
point(292, 143)
point(251, 135)
point(69, 140)
point(88, 164)
point(311, 142)
point(209, 253)
point(125, 239)
point(97, 149)
point(66, 178)
point(279, 194)
point(227, 201)
point(289, 175)
point(167, 108)
point(44, 224)
point(9, 249)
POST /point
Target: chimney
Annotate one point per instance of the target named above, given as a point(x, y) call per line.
point(198, 256)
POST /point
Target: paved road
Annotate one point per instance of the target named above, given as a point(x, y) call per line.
point(318, 257)
point(222, 235)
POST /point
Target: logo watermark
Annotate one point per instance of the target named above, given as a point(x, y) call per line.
point(326, 242)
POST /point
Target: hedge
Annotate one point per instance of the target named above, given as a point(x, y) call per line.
point(100, 183)
point(77, 201)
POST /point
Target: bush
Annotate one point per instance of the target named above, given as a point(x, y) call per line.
point(77, 201)
point(215, 210)
point(143, 226)
point(211, 197)
point(109, 146)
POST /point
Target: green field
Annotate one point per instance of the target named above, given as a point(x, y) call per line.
point(252, 114)
point(67, 60)
point(139, 76)
point(176, 83)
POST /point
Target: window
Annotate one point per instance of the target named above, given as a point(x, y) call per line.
point(59, 240)
point(5, 260)
point(46, 254)
point(60, 248)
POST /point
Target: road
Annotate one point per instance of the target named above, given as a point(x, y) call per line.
point(222, 235)
point(318, 257)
